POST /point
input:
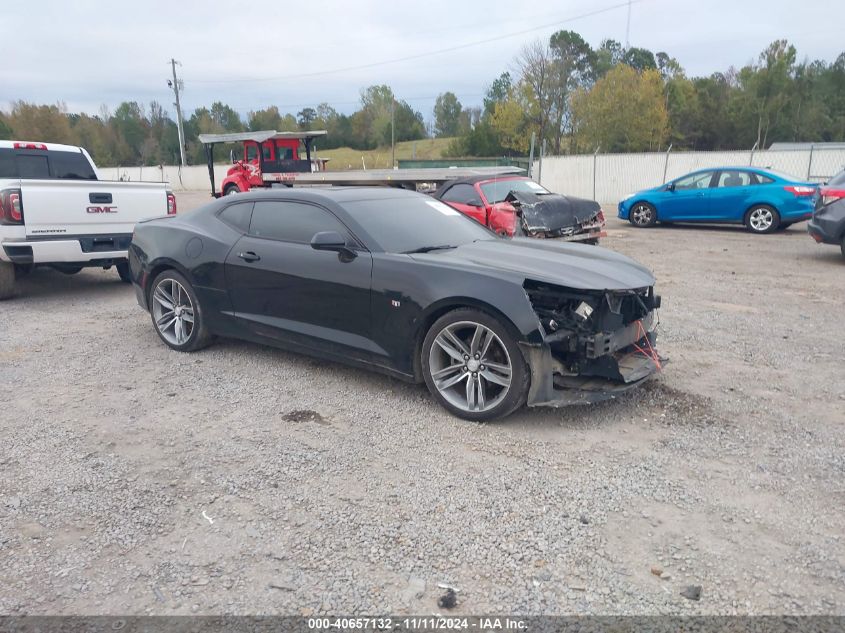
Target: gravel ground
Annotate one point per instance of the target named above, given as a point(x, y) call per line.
point(246, 480)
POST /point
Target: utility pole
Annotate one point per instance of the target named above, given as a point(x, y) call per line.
point(175, 85)
point(628, 26)
point(393, 133)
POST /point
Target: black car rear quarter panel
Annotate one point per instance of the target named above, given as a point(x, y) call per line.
point(198, 251)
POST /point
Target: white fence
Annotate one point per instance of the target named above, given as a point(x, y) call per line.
point(602, 177)
point(192, 178)
point(610, 177)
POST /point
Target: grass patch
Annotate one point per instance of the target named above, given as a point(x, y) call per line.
point(345, 158)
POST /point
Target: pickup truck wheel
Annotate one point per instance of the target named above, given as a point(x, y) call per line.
point(473, 366)
point(176, 313)
point(123, 271)
point(231, 190)
point(7, 280)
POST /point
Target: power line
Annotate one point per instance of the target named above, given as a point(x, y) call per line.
point(450, 49)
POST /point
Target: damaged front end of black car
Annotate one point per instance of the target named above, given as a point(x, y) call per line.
point(557, 216)
point(596, 344)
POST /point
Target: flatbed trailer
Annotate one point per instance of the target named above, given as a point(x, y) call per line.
point(273, 158)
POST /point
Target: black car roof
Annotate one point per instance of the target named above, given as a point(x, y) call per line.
point(335, 194)
point(471, 180)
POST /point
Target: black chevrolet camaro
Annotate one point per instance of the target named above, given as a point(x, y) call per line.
point(397, 282)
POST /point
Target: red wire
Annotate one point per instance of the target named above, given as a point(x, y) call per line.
point(652, 353)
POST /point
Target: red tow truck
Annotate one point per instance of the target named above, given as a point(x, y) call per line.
point(268, 157)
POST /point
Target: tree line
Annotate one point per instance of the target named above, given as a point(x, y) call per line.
point(563, 92)
point(578, 99)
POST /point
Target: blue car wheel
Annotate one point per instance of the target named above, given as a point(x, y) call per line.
point(642, 215)
point(762, 219)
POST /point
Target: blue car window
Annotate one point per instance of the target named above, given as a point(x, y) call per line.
point(734, 179)
point(694, 181)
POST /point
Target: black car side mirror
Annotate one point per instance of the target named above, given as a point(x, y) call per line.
point(475, 202)
point(328, 241)
point(670, 186)
point(332, 241)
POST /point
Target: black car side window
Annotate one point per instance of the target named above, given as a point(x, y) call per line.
point(237, 216)
point(462, 194)
point(292, 221)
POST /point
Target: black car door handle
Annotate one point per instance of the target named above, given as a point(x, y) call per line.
point(249, 256)
point(99, 198)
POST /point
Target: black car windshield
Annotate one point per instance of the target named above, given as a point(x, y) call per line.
point(404, 224)
point(497, 190)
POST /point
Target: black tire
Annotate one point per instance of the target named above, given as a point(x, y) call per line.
point(642, 215)
point(842, 246)
point(231, 190)
point(762, 218)
point(508, 399)
point(124, 272)
point(592, 242)
point(7, 280)
point(199, 336)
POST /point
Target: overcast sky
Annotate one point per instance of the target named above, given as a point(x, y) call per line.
point(295, 54)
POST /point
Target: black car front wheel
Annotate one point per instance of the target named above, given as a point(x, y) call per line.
point(643, 215)
point(176, 313)
point(762, 219)
point(473, 366)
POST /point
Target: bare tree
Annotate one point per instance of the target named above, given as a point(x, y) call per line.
point(535, 63)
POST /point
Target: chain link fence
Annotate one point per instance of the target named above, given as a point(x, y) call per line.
point(609, 178)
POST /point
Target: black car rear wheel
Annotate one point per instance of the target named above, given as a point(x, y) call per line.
point(473, 366)
point(642, 215)
point(842, 246)
point(176, 313)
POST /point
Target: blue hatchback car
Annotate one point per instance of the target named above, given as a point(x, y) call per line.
point(761, 199)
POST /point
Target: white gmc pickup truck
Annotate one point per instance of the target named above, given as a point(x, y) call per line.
point(55, 211)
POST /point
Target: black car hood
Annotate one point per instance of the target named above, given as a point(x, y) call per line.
point(565, 264)
point(552, 212)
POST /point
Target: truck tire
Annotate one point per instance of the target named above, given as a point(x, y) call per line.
point(7, 280)
point(124, 272)
point(231, 190)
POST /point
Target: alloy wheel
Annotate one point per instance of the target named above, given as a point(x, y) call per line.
point(470, 366)
point(761, 219)
point(641, 214)
point(173, 312)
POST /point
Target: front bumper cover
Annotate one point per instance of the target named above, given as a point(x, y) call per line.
point(552, 385)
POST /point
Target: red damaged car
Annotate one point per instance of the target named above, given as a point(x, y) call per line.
point(516, 205)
